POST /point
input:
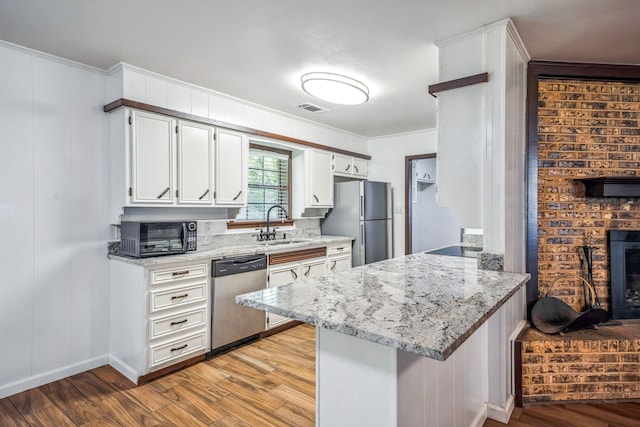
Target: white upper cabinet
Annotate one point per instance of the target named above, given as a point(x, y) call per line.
point(152, 155)
point(360, 167)
point(318, 178)
point(344, 165)
point(341, 164)
point(426, 170)
point(195, 164)
point(232, 150)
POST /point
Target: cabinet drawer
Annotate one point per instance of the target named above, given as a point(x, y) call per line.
point(176, 349)
point(166, 325)
point(179, 273)
point(178, 297)
point(339, 249)
point(339, 263)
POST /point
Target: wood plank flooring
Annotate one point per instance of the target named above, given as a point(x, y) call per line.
point(270, 382)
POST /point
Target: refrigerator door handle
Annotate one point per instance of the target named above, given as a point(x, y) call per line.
point(389, 239)
point(389, 202)
point(361, 207)
point(361, 249)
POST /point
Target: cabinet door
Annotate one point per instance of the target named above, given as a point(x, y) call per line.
point(314, 268)
point(232, 150)
point(341, 164)
point(195, 164)
point(152, 158)
point(339, 263)
point(319, 179)
point(430, 169)
point(277, 277)
point(360, 167)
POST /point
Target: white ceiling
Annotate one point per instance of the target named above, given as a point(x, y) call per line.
point(258, 49)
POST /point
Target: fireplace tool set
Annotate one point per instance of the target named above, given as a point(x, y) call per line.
point(552, 315)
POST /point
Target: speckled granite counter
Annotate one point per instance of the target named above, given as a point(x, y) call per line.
point(234, 250)
point(424, 304)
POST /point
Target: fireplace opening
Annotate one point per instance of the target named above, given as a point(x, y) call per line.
point(624, 255)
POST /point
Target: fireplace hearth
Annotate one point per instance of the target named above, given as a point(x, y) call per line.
point(624, 256)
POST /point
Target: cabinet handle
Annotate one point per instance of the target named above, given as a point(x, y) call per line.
point(180, 273)
point(180, 322)
point(179, 296)
point(333, 266)
point(182, 347)
point(339, 249)
point(348, 167)
point(203, 194)
point(237, 195)
point(424, 176)
point(356, 168)
point(166, 190)
point(306, 273)
point(294, 274)
point(316, 197)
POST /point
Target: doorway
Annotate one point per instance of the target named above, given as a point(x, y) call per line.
point(427, 224)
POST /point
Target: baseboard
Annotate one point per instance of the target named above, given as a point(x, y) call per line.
point(480, 418)
point(124, 369)
point(50, 376)
point(501, 414)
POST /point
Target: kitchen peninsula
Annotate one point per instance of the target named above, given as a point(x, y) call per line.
point(408, 341)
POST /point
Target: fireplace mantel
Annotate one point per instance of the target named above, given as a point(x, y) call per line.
point(611, 186)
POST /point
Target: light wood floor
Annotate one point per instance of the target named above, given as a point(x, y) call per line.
point(270, 382)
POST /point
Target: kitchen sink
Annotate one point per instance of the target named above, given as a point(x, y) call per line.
point(283, 242)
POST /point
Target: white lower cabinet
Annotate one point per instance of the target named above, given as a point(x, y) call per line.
point(291, 272)
point(339, 258)
point(159, 316)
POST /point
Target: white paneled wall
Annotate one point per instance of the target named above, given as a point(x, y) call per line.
point(54, 308)
point(136, 84)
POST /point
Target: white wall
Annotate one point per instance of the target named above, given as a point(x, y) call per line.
point(55, 286)
point(387, 164)
point(433, 226)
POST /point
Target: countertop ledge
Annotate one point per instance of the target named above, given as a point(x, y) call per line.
point(232, 250)
point(424, 304)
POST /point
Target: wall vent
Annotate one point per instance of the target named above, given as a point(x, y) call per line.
point(312, 107)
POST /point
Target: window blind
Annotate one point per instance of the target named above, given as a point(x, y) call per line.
point(268, 180)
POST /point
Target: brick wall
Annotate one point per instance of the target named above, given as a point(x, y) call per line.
point(585, 129)
point(602, 364)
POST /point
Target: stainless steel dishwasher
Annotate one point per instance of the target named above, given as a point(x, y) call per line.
point(231, 322)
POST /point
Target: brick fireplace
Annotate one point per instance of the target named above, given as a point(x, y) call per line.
point(586, 128)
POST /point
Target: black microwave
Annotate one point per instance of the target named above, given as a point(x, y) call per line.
point(145, 239)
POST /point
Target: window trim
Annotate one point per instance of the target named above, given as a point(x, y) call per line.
point(237, 224)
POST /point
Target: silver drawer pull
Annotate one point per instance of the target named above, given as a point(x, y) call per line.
point(166, 190)
point(333, 266)
point(306, 273)
point(237, 195)
point(356, 168)
point(316, 197)
point(294, 274)
point(179, 296)
point(182, 347)
point(179, 322)
point(180, 273)
point(205, 193)
point(339, 249)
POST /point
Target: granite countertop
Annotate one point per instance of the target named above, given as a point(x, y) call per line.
point(425, 304)
point(219, 252)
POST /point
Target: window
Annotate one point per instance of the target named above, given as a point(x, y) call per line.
point(268, 180)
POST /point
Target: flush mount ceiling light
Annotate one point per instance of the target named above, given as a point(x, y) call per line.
point(335, 88)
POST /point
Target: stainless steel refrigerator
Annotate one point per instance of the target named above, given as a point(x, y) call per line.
point(364, 210)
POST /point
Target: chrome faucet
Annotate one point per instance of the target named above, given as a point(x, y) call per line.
point(270, 235)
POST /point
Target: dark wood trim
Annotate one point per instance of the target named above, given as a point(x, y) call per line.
point(407, 202)
point(536, 71)
point(122, 102)
point(517, 372)
point(299, 255)
point(454, 84)
point(169, 369)
point(259, 224)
